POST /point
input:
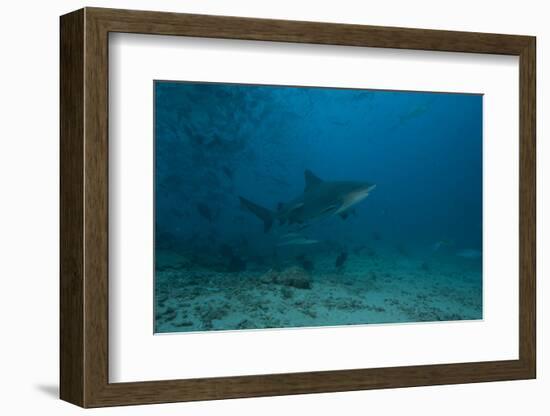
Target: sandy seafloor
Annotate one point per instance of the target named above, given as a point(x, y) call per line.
point(367, 290)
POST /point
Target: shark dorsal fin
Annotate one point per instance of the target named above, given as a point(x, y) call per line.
point(311, 179)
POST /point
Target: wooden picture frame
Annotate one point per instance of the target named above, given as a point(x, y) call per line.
point(84, 207)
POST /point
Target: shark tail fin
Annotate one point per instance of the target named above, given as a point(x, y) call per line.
point(262, 213)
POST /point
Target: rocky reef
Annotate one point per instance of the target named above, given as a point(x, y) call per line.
point(385, 289)
point(293, 276)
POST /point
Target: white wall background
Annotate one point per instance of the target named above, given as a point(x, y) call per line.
point(29, 208)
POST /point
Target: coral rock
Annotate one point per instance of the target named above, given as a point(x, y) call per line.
point(293, 276)
point(269, 277)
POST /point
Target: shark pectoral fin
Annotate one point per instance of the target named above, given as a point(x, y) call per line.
point(262, 213)
point(345, 214)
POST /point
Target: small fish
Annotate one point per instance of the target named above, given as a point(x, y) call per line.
point(413, 113)
point(204, 211)
point(341, 259)
point(302, 241)
point(340, 123)
point(439, 244)
point(469, 253)
point(290, 235)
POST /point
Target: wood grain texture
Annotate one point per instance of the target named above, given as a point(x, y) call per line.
point(71, 100)
point(527, 207)
point(162, 23)
point(84, 207)
point(96, 219)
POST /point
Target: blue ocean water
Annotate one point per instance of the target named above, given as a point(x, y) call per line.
point(266, 217)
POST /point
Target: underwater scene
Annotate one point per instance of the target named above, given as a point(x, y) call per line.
point(289, 206)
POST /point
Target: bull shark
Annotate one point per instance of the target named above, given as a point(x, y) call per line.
point(320, 199)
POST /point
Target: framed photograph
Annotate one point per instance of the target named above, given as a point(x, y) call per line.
point(255, 207)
